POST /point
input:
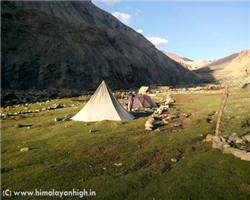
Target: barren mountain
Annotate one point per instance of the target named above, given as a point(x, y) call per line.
point(67, 44)
point(234, 67)
point(187, 63)
point(180, 60)
point(197, 64)
point(177, 58)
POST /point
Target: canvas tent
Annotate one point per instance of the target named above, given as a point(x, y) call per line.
point(143, 90)
point(246, 86)
point(102, 106)
point(143, 101)
point(184, 89)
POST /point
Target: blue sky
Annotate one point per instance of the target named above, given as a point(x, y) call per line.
point(196, 30)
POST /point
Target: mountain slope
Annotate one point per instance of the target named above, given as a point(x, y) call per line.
point(67, 44)
point(235, 66)
point(180, 60)
point(176, 57)
point(197, 64)
point(187, 63)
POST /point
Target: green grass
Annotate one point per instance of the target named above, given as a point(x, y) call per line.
point(64, 155)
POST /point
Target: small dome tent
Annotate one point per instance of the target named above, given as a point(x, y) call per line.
point(184, 89)
point(246, 86)
point(143, 101)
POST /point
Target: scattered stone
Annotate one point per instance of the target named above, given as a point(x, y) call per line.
point(174, 160)
point(57, 119)
point(247, 138)
point(245, 156)
point(222, 139)
point(217, 143)
point(239, 141)
point(209, 138)
point(226, 146)
point(118, 164)
point(228, 150)
point(233, 138)
point(165, 121)
point(243, 147)
point(238, 153)
point(177, 125)
point(149, 124)
point(186, 115)
point(24, 149)
point(170, 117)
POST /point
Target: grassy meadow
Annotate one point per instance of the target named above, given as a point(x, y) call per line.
point(120, 160)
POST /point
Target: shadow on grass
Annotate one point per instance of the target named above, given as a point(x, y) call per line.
point(26, 125)
point(138, 115)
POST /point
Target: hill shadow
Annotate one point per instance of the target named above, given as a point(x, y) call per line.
point(207, 75)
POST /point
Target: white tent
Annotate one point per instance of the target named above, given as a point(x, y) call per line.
point(103, 106)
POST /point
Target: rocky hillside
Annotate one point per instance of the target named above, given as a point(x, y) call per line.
point(76, 45)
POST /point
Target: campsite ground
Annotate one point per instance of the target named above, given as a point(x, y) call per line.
point(65, 155)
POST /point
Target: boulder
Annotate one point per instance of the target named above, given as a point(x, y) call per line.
point(247, 138)
point(217, 143)
point(56, 106)
point(149, 123)
point(238, 153)
point(209, 138)
point(233, 138)
point(186, 115)
point(245, 156)
point(239, 141)
point(24, 149)
point(57, 119)
point(222, 139)
point(174, 160)
point(228, 150)
point(165, 121)
point(226, 146)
